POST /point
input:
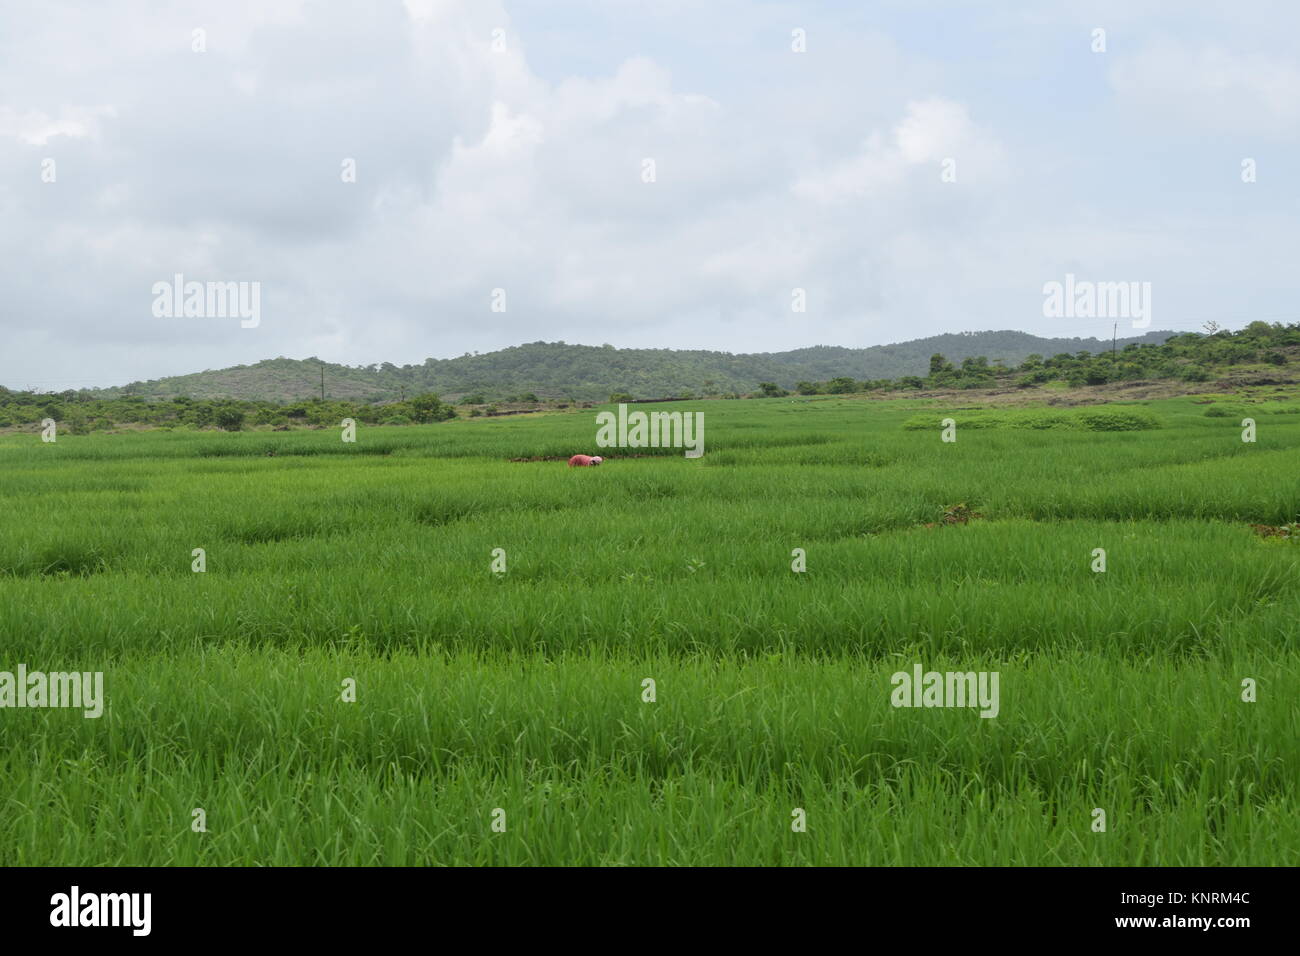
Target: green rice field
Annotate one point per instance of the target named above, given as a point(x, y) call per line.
point(501, 717)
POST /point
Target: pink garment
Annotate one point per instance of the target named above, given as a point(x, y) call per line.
point(582, 461)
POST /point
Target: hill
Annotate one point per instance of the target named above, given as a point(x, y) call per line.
point(592, 373)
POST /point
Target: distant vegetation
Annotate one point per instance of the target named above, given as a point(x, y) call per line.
point(1191, 357)
point(559, 371)
point(79, 414)
point(1098, 419)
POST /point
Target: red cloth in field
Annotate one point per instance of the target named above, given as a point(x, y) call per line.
point(579, 461)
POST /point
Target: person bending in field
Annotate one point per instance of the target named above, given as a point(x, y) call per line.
point(583, 461)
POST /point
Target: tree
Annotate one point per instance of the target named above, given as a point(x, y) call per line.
point(428, 407)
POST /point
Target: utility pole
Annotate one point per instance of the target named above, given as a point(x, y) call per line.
point(1114, 334)
point(322, 381)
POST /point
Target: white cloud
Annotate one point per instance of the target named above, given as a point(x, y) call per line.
point(932, 131)
point(36, 128)
point(1212, 86)
point(479, 169)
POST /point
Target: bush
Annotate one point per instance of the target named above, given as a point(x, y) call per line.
point(428, 407)
point(1225, 411)
point(1117, 420)
point(229, 419)
point(1090, 419)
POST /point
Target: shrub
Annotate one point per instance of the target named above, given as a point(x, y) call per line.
point(229, 419)
point(1117, 420)
point(427, 407)
point(1091, 419)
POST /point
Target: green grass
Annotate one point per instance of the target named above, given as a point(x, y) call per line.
point(1105, 419)
point(523, 691)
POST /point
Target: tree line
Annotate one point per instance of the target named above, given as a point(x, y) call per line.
point(1191, 357)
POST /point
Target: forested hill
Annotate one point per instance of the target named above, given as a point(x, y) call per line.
point(559, 370)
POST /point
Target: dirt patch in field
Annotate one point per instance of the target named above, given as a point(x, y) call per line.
point(955, 514)
point(1276, 531)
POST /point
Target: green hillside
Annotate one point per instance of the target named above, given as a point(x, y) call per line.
point(560, 370)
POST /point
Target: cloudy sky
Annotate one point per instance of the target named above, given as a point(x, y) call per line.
point(921, 167)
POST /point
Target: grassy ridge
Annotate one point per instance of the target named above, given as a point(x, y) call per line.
point(523, 691)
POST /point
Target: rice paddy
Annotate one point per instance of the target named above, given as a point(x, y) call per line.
point(504, 716)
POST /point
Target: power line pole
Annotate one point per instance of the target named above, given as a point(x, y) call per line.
point(322, 381)
point(1114, 334)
